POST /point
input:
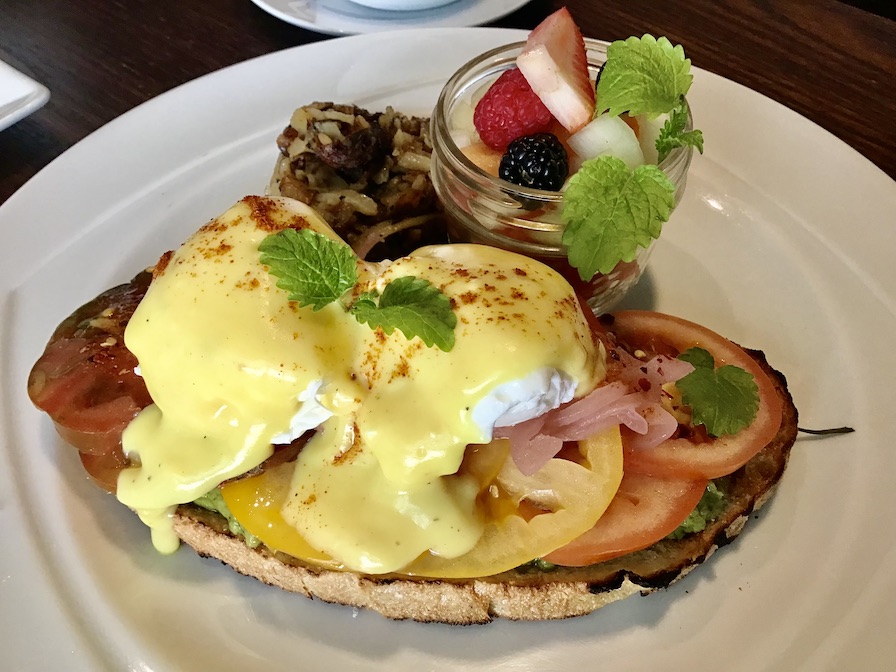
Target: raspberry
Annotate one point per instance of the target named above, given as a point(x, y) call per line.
point(510, 110)
point(536, 161)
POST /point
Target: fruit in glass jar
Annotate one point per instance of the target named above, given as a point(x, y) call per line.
point(509, 110)
point(555, 63)
point(537, 161)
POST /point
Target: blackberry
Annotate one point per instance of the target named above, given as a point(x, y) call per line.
point(537, 161)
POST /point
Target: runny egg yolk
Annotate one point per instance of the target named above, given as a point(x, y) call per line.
point(228, 360)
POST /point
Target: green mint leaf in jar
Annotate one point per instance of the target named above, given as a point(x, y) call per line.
point(611, 210)
point(673, 134)
point(643, 76)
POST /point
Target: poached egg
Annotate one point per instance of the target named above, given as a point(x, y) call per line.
point(234, 367)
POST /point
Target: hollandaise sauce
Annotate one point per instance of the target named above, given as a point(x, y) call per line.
point(225, 357)
point(234, 366)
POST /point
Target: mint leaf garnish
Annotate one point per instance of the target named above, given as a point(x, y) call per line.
point(317, 271)
point(314, 269)
point(413, 306)
point(698, 357)
point(610, 210)
point(672, 134)
point(643, 76)
point(364, 305)
point(724, 400)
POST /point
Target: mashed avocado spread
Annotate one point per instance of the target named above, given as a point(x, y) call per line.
point(708, 508)
point(711, 504)
point(213, 501)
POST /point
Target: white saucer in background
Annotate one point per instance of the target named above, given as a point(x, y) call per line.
point(347, 17)
point(19, 95)
point(403, 5)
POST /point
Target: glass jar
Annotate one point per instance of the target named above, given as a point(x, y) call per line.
point(484, 209)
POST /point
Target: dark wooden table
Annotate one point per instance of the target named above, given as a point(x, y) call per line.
point(829, 61)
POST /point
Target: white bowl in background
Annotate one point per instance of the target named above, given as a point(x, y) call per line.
point(403, 5)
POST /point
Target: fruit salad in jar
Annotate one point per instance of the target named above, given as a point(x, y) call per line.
point(567, 149)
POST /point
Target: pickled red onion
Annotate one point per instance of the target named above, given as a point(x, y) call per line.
point(650, 376)
point(633, 401)
point(661, 425)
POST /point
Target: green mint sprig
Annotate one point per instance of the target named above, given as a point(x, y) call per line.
point(317, 271)
point(725, 400)
point(673, 134)
point(411, 305)
point(610, 210)
point(314, 269)
point(643, 76)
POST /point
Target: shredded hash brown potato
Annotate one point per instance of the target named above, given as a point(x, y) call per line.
point(367, 174)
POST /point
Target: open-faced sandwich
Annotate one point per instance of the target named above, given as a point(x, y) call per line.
point(447, 437)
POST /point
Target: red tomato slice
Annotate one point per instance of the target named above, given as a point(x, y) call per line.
point(97, 392)
point(85, 380)
point(644, 510)
point(682, 458)
point(92, 443)
point(104, 469)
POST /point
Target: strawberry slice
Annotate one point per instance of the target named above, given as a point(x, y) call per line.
point(555, 64)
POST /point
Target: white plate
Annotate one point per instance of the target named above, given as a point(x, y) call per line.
point(344, 17)
point(19, 95)
point(783, 242)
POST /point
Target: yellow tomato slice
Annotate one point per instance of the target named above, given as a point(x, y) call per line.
point(573, 496)
point(569, 497)
point(256, 502)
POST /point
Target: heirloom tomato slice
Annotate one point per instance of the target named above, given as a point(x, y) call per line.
point(690, 457)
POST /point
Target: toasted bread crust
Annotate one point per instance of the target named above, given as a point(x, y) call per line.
point(522, 594)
